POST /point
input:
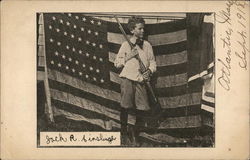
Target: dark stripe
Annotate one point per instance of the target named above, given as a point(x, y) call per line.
point(195, 85)
point(160, 28)
point(158, 50)
point(80, 111)
point(170, 48)
point(210, 70)
point(114, 87)
point(209, 94)
point(113, 47)
point(150, 29)
point(207, 103)
point(171, 70)
point(114, 27)
point(80, 93)
point(40, 68)
point(182, 111)
point(207, 114)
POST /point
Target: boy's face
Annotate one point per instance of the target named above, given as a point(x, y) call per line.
point(138, 31)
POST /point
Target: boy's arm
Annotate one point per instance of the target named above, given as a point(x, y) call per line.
point(152, 62)
point(120, 58)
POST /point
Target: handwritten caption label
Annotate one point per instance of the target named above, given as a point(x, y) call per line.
point(79, 138)
point(233, 39)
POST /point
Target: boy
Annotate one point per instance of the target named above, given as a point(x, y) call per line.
point(133, 91)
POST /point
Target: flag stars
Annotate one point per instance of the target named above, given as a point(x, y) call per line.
point(73, 49)
point(100, 59)
point(67, 47)
point(63, 56)
point(57, 30)
point(97, 71)
point(72, 36)
point(59, 65)
point(50, 27)
point(73, 70)
point(99, 23)
point(58, 43)
point(87, 76)
point(87, 54)
point(61, 21)
point(82, 29)
point(102, 81)
point(77, 17)
point(94, 78)
point(74, 27)
point(76, 62)
point(65, 33)
point(79, 39)
point(56, 53)
point(69, 14)
point(83, 65)
point(67, 67)
point(87, 42)
point(54, 18)
point(70, 59)
point(80, 73)
point(67, 23)
point(80, 51)
point(93, 44)
point(83, 19)
point(92, 21)
point(94, 57)
point(91, 68)
point(101, 46)
point(51, 40)
point(89, 31)
point(96, 33)
point(52, 62)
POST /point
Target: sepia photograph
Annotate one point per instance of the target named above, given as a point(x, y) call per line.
point(117, 80)
point(147, 76)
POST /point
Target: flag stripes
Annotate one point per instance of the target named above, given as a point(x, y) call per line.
point(97, 103)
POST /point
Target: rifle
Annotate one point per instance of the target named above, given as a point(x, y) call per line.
point(152, 97)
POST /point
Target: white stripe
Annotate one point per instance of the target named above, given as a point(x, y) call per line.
point(194, 77)
point(104, 124)
point(87, 87)
point(171, 59)
point(181, 122)
point(41, 61)
point(168, 38)
point(197, 76)
point(208, 99)
point(202, 73)
point(210, 65)
point(180, 101)
point(207, 108)
point(116, 38)
point(171, 81)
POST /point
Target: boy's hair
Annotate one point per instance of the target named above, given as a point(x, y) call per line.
point(133, 21)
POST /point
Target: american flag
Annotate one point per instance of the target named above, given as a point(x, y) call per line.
point(84, 84)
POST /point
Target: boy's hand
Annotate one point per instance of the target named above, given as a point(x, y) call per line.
point(146, 75)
